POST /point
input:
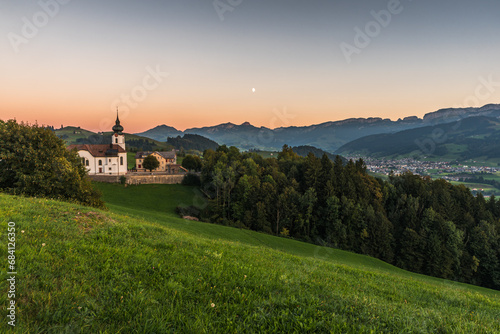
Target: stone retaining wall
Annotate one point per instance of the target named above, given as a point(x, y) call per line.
point(105, 178)
point(140, 179)
point(160, 179)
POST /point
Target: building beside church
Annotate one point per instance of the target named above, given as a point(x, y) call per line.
point(105, 159)
point(167, 160)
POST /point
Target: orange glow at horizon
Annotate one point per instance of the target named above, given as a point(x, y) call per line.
point(100, 118)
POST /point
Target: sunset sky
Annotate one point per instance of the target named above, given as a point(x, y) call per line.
point(192, 63)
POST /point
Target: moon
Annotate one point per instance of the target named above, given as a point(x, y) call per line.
point(253, 90)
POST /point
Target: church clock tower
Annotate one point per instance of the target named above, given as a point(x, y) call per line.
point(118, 138)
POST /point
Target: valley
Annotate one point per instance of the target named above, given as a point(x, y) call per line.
point(454, 172)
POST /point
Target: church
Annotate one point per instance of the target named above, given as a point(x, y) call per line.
point(105, 159)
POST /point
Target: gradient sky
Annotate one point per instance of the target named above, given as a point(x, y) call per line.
point(88, 55)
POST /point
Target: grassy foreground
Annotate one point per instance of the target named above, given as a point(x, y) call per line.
point(146, 271)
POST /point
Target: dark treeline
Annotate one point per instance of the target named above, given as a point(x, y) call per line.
point(192, 142)
point(425, 226)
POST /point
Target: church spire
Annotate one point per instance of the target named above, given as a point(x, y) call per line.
point(117, 128)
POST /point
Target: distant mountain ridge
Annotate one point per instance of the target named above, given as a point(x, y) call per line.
point(470, 138)
point(161, 133)
point(328, 136)
point(455, 114)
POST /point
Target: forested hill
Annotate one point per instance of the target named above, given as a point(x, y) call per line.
point(469, 138)
point(425, 226)
point(192, 142)
point(303, 151)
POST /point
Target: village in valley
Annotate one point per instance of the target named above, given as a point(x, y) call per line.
point(477, 176)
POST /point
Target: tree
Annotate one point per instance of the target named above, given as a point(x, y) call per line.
point(192, 162)
point(35, 162)
point(312, 172)
point(308, 200)
point(150, 162)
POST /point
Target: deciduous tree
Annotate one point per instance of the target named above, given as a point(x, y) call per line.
point(150, 162)
point(35, 162)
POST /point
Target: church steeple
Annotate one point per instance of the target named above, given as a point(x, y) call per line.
point(117, 128)
point(118, 137)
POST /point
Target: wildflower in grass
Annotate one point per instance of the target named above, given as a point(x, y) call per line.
point(43, 245)
point(213, 305)
point(22, 231)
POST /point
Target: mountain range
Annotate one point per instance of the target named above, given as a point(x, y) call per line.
point(475, 138)
point(328, 136)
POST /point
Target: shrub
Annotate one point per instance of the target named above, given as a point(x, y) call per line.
point(191, 211)
point(35, 162)
point(191, 180)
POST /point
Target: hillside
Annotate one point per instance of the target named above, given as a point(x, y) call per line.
point(85, 270)
point(471, 138)
point(190, 142)
point(303, 151)
point(75, 135)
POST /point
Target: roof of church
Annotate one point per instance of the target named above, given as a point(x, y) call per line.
point(166, 155)
point(102, 150)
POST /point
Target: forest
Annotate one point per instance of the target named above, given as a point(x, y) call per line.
point(418, 224)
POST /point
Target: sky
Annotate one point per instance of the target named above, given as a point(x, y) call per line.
point(273, 63)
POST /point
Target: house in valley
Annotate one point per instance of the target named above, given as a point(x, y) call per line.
point(167, 160)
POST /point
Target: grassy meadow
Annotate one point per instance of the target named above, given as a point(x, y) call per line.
point(138, 268)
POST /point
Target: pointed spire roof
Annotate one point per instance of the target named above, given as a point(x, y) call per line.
point(117, 128)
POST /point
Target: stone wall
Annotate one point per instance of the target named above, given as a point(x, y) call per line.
point(105, 178)
point(141, 179)
point(160, 179)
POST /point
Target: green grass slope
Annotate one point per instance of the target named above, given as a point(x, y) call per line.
point(82, 270)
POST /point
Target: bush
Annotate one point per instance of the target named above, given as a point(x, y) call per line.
point(35, 162)
point(192, 162)
point(191, 211)
point(191, 180)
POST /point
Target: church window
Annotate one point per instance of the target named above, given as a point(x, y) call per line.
point(121, 161)
point(100, 162)
point(86, 162)
point(116, 140)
